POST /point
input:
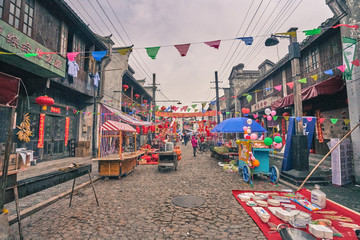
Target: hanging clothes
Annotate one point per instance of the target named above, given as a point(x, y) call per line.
point(88, 82)
point(73, 68)
point(96, 80)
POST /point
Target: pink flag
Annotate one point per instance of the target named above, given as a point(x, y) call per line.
point(214, 44)
point(278, 88)
point(321, 120)
point(183, 48)
point(309, 119)
point(255, 116)
point(72, 55)
point(290, 84)
point(341, 68)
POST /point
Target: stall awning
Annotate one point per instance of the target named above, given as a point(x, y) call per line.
point(126, 118)
point(327, 87)
point(110, 125)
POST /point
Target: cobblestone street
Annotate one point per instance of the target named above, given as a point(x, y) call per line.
point(140, 206)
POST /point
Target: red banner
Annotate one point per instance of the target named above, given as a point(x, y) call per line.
point(9, 90)
point(41, 131)
point(185, 115)
point(67, 126)
point(318, 126)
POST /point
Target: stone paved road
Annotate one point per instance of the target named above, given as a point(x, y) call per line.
point(139, 206)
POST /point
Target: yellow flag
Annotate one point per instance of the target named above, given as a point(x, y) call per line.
point(124, 51)
point(346, 121)
point(257, 91)
point(237, 113)
point(315, 77)
point(292, 34)
point(286, 118)
point(7, 53)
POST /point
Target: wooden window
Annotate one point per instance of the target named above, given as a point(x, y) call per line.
point(28, 17)
point(14, 13)
point(1, 8)
point(307, 63)
point(63, 39)
point(315, 57)
point(269, 87)
point(79, 46)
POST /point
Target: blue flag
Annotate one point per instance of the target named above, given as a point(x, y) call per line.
point(247, 40)
point(98, 55)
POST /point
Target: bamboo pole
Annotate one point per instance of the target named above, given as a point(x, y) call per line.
point(302, 184)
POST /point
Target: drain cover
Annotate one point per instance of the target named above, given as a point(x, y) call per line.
point(188, 201)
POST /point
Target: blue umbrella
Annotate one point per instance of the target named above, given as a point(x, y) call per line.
point(236, 125)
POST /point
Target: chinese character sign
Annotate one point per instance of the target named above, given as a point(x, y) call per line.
point(41, 130)
point(67, 126)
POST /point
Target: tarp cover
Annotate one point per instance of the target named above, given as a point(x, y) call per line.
point(9, 90)
point(236, 125)
point(126, 118)
point(110, 125)
point(327, 87)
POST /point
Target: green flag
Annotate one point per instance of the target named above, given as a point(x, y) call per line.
point(194, 105)
point(334, 120)
point(188, 109)
point(312, 31)
point(303, 80)
point(275, 117)
point(30, 54)
point(152, 51)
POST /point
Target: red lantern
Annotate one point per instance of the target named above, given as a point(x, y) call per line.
point(204, 120)
point(286, 114)
point(152, 128)
point(144, 129)
point(163, 108)
point(137, 130)
point(145, 101)
point(136, 96)
point(160, 126)
point(44, 101)
point(125, 87)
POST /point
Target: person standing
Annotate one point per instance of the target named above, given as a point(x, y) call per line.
point(186, 139)
point(194, 143)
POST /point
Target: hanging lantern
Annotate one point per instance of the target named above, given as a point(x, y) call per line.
point(286, 114)
point(163, 108)
point(137, 130)
point(204, 120)
point(152, 128)
point(136, 96)
point(145, 101)
point(125, 87)
point(44, 101)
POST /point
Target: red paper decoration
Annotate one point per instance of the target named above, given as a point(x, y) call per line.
point(44, 101)
point(137, 130)
point(145, 101)
point(125, 87)
point(136, 96)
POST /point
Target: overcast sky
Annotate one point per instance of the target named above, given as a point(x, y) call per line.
point(151, 23)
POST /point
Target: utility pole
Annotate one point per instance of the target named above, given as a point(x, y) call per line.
point(217, 97)
point(154, 102)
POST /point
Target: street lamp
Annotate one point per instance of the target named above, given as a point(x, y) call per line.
point(299, 150)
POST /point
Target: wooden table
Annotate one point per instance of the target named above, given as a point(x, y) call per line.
point(113, 166)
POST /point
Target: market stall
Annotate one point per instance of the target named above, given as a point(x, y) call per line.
point(116, 164)
point(297, 212)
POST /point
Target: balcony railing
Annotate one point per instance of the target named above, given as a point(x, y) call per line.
point(134, 103)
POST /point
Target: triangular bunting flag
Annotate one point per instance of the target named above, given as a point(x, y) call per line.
point(213, 102)
point(356, 62)
point(278, 87)
point(298, 119)
point(257, 91)
point(72, 55)
point(203, 111)
point(152, 51)
point(194, 105)
point(255, 116)
point(315, 77)
point(312, 31)
point(334, 120)
point(30, 54)
point(346, 121)
point(341, 68)
point(290, 84)
point(292, 34)
point(227, 113)
point(214, 44)
point(219, 113)
point(287, 118)
point(188, 109)
point(309, 119)
point(329, 72)
point(303, 80)
point(98, 55)
point(196, 110)
point(275, 117)
point(265, 116)
point(203, 104)
point(347, 25)
point(182, 48)
point(124, 51)
point(247, 40)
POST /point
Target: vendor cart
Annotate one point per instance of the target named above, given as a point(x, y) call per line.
point(261, 153)
point(168, 160)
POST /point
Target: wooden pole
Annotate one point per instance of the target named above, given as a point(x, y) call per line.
point(120, 143)
point(135, 141)
point(5, 169)
point(99, 143)
point(332, 149)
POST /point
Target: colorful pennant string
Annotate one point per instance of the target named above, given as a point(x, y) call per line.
point(214, 44)
point(183, 49)
point(98, 55)
point(152, 51)
point(312, 31)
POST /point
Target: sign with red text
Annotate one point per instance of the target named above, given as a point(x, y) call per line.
point(41, 131)
point(55, 110)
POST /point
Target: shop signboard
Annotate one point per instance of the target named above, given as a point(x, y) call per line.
point(55, 110)
point(67, 126)
point(14, 45)
point(41, 130)
point(9, 90)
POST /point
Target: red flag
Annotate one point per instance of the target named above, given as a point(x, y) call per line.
point(356, 62)
point(321, 120)
point(347, 25)
point(183, 48)
point(290, 84)
point(214, 44)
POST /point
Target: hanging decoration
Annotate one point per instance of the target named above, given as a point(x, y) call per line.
point(183, 49)
point(125, 87)
point(290, 85)
point(145, 101)
point(214, 44)
point(247, 40)
point(44, 101)
point(41, 130)
point(249, 98)
point(67, 127)
point(98, 55)
point(136, 96)
point(152, 51)
point(24, 132)
point(315, 77)
point(312, 32)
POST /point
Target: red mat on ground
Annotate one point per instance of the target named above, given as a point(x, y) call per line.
point(348, 233)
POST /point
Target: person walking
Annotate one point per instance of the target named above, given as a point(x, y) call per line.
point(194, 143)
point(186, 139)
